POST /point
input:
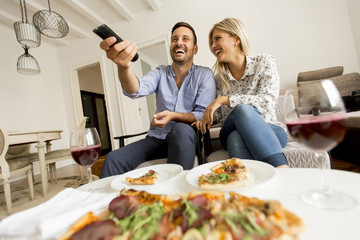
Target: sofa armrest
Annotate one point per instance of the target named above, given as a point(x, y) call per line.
point(294, 91)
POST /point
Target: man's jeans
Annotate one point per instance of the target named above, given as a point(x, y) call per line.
point(179, 147)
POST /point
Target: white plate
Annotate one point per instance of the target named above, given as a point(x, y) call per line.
point(259, 172)
point(166, 172)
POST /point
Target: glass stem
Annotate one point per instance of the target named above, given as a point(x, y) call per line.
point(325, 189)
point(90, 179)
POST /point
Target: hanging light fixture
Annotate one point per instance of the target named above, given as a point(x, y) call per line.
point(26, 33)
point(27, 64)
point(50, 23)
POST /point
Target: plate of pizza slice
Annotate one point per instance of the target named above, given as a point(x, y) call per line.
point(229, 174)
point(147, 177)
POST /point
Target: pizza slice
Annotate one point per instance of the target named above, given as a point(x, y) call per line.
point(148, 178)
point(228, 174)
point(233, 166)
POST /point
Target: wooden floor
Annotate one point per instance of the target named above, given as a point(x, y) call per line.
point(346, 165)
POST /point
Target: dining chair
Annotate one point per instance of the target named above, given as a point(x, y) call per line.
point(51, 158)
point(13, 166)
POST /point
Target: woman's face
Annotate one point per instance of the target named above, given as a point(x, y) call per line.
point(223, 45)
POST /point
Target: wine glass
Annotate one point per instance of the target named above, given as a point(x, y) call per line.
point(319, 123)
point(85, 147)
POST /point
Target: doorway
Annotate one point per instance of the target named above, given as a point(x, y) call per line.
point(95, 110)
point(93, 103)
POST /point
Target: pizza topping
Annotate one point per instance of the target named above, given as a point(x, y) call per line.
point(105, 229)
point(150, 173)
point(143, 223)
point(190, 212)
point(192, 216)
point(245, 221)
point(213, 178)
point(123, 206)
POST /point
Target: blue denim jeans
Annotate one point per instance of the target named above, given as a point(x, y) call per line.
point(179, 147)
point(246, 135)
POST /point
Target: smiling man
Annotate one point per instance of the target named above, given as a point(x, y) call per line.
point(183, 91)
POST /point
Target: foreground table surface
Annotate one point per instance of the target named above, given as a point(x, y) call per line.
point(285, 186)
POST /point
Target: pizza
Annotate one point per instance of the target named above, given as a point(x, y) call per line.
point(228, 174)
point(232, 166)
point(148, 178)
point(199, 215)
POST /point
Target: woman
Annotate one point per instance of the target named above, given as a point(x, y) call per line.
point(247, 91)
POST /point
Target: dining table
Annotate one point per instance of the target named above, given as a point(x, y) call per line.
point(43, 139)
point(285, 186)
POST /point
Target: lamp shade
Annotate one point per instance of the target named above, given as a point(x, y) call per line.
point(51, 24)
point(27, 64)
point(27, 34)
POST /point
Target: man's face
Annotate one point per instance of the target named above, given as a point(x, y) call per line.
point(182, 47)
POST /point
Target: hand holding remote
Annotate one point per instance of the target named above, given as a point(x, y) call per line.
point(105, 32)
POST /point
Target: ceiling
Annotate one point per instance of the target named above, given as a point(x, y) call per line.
point(82, 15)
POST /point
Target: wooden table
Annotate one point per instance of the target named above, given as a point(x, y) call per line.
point(42, 138)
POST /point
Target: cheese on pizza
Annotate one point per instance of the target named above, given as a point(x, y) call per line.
point(148, 178)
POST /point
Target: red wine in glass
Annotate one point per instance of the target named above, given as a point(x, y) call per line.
point(319, 123)
point(86, 156)
point(85, 147)
point(321, 132)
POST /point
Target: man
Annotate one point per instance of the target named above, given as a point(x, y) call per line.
point(183, 91)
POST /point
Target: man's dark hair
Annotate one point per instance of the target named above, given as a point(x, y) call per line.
point(184, 24)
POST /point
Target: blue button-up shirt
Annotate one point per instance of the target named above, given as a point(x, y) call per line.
point(196, 93)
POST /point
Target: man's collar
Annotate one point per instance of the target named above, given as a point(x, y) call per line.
point(189, 71)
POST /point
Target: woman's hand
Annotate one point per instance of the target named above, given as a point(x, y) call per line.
point(208, 118)
point(210, 110)
point(200, 125)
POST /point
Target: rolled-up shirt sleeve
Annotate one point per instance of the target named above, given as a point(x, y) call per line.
point(147, 84)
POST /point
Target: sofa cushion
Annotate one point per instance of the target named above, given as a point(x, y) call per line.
point(353, 119)
point(347, 83)
point(296, 154)
point(320, 74)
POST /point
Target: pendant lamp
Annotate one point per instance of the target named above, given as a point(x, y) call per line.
point(50, 23)
point(26, 33)
point(27, 64)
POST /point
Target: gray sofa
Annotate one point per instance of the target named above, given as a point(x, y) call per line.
point(297, 155)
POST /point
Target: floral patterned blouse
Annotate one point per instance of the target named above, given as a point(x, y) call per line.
point(259, 87)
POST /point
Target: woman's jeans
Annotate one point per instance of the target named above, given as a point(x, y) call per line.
point(247, 136)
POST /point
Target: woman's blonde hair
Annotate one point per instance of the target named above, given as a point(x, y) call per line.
point(234, 27)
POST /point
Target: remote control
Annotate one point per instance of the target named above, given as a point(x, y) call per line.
point(104, 32)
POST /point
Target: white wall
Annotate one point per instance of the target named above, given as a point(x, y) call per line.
point(354, 9)
point(31, 102)
point(302, 35)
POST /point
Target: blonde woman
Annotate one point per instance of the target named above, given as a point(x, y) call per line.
point(247, 91)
